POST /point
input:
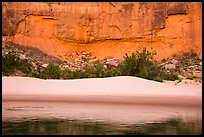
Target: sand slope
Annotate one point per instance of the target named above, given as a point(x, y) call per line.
point(123, 89)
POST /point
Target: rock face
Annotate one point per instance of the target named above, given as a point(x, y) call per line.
point(105, 29)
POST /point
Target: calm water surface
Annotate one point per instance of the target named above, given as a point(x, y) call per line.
point(88, 118)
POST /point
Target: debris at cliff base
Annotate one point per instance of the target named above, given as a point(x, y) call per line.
point(188, 66)
point(30, 53)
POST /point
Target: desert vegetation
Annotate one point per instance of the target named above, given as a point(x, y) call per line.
point(11, 63)
point(139, 64)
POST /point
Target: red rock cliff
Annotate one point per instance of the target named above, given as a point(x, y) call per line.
point(106, 29)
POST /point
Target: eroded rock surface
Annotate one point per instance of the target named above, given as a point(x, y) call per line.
point(104, 29)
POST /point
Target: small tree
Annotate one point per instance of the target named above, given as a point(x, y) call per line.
point(50, 72)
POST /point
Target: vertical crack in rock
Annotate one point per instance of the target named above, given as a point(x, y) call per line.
point(159, 20)
point(51, 10)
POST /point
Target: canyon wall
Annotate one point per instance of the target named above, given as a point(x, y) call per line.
point(105, 29)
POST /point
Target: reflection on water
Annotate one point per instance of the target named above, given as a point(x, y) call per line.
point(87, 118)
point(72, 127)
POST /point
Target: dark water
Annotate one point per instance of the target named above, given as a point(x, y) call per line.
point(19, 118)
point(73, 127)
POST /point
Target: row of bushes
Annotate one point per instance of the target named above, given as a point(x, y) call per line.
point(91, 70)
point(139, 64)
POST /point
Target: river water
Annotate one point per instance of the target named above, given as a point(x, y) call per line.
point(95, 118)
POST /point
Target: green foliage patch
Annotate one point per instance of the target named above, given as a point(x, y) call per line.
point(50, 72)
point(12, 62)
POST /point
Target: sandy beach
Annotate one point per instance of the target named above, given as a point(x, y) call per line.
point(123, 89)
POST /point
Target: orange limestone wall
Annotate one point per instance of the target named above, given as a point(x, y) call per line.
point(105, 29)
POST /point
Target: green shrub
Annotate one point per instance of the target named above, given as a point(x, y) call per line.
point(30, 74)
point(75, 74)
point(112, 72)
point(129, 65)
point(94, 69)
point(12, 62)
point(65, 74)
point(171, 76)
point(157, 79)
point(191, 77)
point(140, 64)
point(50, 72)
point(68, 74)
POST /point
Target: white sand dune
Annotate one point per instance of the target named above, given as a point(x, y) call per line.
point(123, 89)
